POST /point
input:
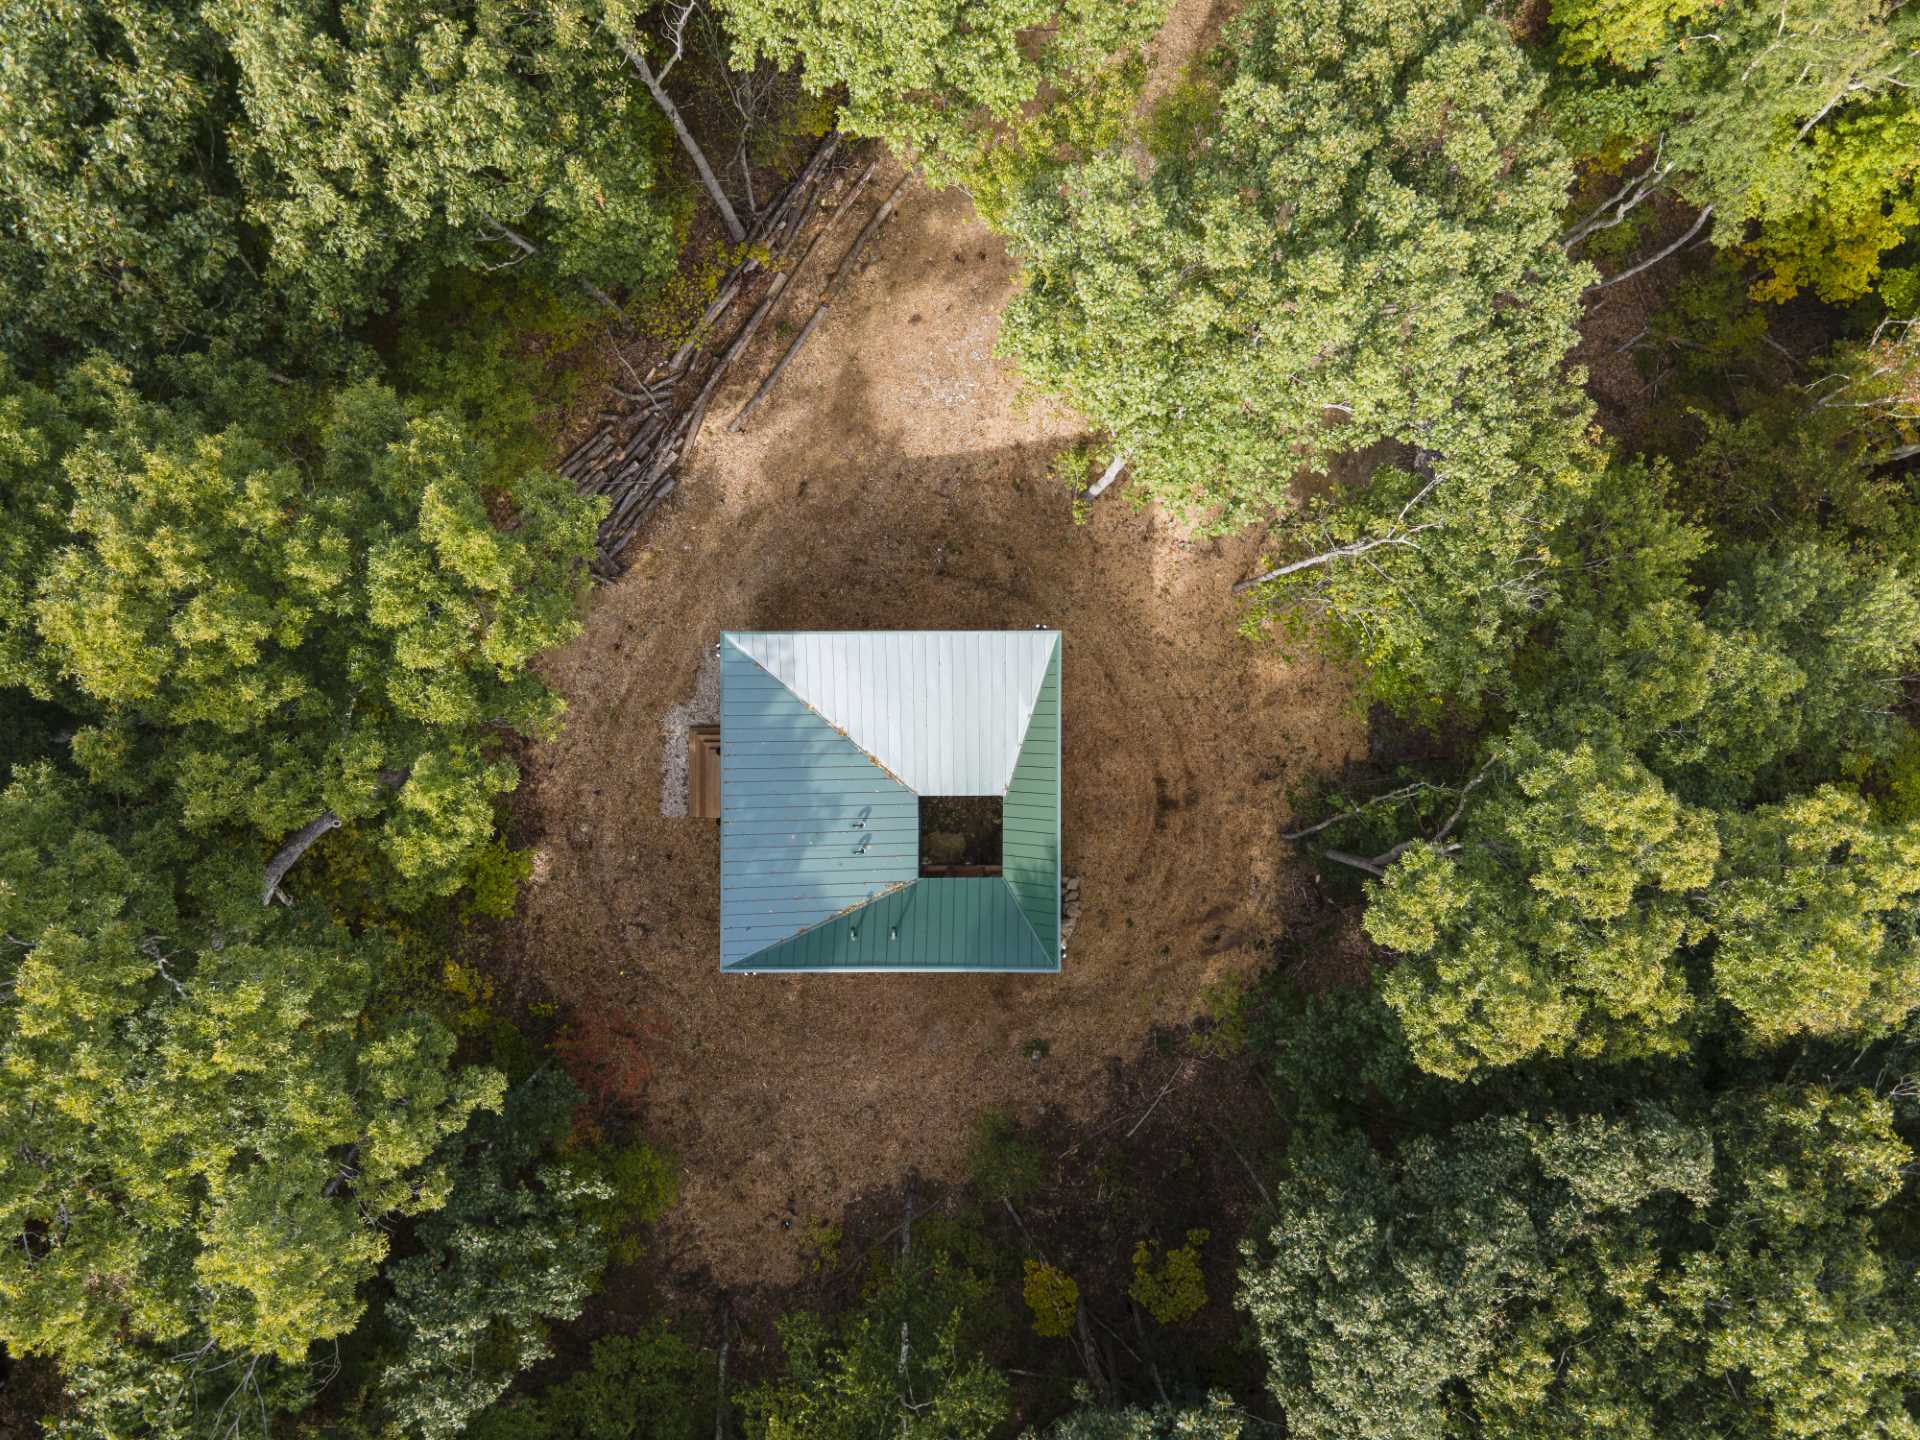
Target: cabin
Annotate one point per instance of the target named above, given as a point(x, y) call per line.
point(889, 800)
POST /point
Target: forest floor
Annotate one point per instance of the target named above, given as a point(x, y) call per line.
point(896, 479)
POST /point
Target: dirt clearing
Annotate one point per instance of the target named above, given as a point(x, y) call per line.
point(894, 481)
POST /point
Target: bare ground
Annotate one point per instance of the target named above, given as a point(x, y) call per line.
point(896, 480)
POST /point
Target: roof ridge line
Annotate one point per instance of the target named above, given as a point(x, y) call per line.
point(842, 914)
point(1021, 910)
point(813, 709)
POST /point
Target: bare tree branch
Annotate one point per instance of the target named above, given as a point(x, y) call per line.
point(657, 88)
point(1112, 473)
point(1694, 229)
point(1616, 207)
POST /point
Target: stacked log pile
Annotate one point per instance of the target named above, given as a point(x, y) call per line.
point(635, 459)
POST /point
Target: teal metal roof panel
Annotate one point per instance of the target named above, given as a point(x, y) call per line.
point(819, 832)
point(950, 923)
point(809, 825)
point(943, 710)
point(1030, 818)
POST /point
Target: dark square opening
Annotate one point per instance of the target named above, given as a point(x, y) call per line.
point(960, 834)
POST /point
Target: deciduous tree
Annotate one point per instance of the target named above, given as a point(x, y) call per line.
point(936, 79)
point(120, 219)
point(203, 1124)
point(1360, 248)
point(1794, 122)
point(381, 142)
point(275, 614)
point(1674, 1268)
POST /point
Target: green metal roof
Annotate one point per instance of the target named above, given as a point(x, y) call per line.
point(820, 840)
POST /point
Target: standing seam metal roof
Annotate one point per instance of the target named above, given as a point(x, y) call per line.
point(823, 735)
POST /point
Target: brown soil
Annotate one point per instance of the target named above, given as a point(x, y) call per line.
point(896, 480)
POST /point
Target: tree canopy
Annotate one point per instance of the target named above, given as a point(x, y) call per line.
point(1690, 1269)
point(205, 1122)
point(1795, 122)
point(936, 79)
point(325, 608)
point(381, 142)
point(1359, 248)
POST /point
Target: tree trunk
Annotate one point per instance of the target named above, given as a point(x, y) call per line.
point(692, 146)
point(289, 853)
point(720, 1404)
point(302, 839)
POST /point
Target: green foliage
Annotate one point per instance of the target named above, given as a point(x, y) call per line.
point(381, 143)
point(120, 223)
point(1174, 1290)
point(1180, 120)
point(1054, 1298)
point(1228, 1004)
point(1005, 1166)
point(484, 349)
point(1584, 887)
point(515, 1247)
point(847, 1381)
point(315, 613)
point(493, 884)
point(1334, 247)
point(196, 1098)
point(1813, 918)
point(1682, 1271)
point(1347, 237)
point(1215, 1419)
point(936, 79)
point(1093, 116)
point(652, 1379)
point(1793, 121)
point(1558, 929)
point(640, 1185)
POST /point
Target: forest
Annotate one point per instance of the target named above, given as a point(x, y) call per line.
point(1470, 450)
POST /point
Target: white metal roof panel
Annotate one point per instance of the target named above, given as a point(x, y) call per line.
point(943, 710)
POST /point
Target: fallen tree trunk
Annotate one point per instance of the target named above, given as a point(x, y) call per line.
point(1098, 488)
point(834, 282)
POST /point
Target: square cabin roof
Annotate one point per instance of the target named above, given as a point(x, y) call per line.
point(828, 739)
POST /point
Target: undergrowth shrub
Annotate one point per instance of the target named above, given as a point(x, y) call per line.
point(493, 887)
point(1174, 1290)
point(642, 1183)
point(651, 1383)
point(1005, 1166)
point(1053, 1297)
point(487, 350)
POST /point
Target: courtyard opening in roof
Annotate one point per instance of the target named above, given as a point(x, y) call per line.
point(890, 801)
point(960, 834)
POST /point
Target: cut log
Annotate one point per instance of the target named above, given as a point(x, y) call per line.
point(834, 282)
